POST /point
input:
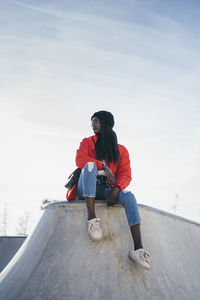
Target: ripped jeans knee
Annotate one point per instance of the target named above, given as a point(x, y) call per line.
point(87, 181)
point(90, 167)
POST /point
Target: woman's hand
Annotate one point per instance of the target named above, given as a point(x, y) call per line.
point(113, 197)
point(109, 175)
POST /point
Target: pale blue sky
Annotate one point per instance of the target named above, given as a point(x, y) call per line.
point(62, 61)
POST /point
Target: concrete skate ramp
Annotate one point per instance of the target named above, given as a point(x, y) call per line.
point(9, 245)
point(59, 261)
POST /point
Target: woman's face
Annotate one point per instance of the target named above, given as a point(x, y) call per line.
point(96, 125)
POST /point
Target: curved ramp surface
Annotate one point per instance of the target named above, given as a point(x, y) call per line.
point(60, 261)
point(9, 245)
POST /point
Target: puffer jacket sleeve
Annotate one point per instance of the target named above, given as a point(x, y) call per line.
point(83, 157)
point(123, 173)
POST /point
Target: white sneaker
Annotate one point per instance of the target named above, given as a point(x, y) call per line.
point(141, 257)
point(94, 229)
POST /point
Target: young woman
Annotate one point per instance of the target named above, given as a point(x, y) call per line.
point(105, 174)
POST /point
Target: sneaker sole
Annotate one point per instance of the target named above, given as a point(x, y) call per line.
point(97, 239)
point(139, 264)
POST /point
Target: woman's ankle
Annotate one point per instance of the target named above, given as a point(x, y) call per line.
point(136, 234)
point(90, 207)
point(90, 217)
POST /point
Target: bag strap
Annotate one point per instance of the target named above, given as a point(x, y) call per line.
point(93, 140)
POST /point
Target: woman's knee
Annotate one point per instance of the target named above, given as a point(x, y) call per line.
point(129, 198)
point(90, 167)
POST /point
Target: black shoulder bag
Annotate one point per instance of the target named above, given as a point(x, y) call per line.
point(73, 179)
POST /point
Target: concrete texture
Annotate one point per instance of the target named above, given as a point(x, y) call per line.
point(9, 245)
point(59, 261)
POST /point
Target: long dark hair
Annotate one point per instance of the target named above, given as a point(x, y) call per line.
point(106, 146)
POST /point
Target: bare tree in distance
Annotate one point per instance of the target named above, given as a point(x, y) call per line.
point(175, 203)
point(24, 223)
point(45, 202)
point(4, 218)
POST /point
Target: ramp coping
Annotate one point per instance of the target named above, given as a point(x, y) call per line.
point(102, 203)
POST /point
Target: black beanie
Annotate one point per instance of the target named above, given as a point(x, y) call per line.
point(105, 116)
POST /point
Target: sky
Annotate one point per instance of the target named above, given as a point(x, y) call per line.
point(61, 61)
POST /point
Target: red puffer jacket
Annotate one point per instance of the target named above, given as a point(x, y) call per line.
point(121, 170)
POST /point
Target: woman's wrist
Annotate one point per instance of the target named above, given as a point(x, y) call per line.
point(104, 167)
point(117, 188)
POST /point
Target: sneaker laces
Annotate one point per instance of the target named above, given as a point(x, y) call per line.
point(95, 225)
point(144, 255)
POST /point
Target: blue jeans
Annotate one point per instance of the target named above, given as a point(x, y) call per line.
point(90, 186)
